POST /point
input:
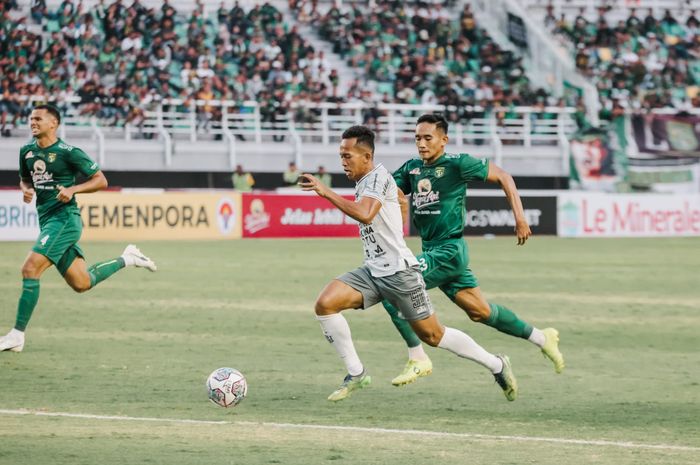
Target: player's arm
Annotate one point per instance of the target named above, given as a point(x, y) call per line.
point(499, 176)
point(403, 203)
point(363, 210)
point(95, 183)
point(27, 189)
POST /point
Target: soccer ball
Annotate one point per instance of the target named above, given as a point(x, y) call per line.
point(226, 387)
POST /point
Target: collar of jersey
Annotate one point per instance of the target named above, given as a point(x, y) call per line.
point(36, 143)
point(437, 162)
point(373, 169)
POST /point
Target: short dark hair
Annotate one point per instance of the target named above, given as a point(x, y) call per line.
point(53, 111)
point(363, 134)
point(434, 118)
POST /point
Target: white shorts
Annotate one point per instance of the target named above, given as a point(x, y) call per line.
point(405, 290)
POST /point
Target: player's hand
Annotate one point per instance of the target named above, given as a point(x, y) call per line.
point(309, 182)
point(65, 194)
point(27, 195)
point(522, 231)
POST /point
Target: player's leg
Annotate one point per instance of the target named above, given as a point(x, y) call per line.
point(407, 292)
point(436, 265)
point(34, 266)
point(418, 364)
point(338, 295)
point(473, 302)
point(81, 278)
point(461, 344)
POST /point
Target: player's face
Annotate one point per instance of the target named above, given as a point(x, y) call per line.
point(42, 123)
point(356, 159)
point(430, 142)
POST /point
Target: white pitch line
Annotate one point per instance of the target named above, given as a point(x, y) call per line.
point(360, 429)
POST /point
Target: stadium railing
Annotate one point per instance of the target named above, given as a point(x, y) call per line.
point(230, 122)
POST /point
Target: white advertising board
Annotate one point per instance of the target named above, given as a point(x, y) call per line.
point(18, 220)
point(583, 214)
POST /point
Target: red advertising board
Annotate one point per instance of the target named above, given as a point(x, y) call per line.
point(294, 215)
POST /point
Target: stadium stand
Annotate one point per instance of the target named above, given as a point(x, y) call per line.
point(642, 55)
point(241, 79)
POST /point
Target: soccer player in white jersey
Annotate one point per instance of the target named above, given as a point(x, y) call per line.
point(390, 271)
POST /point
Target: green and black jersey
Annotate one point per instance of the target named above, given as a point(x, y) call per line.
point(49, 167)
point(438, 193)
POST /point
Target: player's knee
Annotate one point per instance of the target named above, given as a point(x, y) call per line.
point(324, 306)
point(432, 337)
point(29, 270)
point(81, 286)
point(478, 315)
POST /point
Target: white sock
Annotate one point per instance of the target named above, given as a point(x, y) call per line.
point(417, 353)
point(337, 331)
point(537, 337)
point(15, 332)
point(461, 344)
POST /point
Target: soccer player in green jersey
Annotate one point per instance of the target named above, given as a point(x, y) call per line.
point(437, 182)
point(48, 167)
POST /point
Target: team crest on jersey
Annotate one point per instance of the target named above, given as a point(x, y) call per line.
point(439, 171)
point(414, 171)
point(51, 157)
point(28, 155)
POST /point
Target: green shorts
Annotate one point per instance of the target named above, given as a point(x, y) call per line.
point(58, 240)
point(445, 264)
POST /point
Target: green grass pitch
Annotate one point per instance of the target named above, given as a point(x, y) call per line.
point(140, 346)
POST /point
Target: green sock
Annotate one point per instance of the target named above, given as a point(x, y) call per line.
point(402, 325)
point(27, 302)
point(508, 322)
point(103, 270)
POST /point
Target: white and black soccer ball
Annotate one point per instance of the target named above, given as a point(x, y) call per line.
point(226, 387)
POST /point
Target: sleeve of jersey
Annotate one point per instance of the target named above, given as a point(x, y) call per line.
point(473, 169)
point(84, 164)
point(402, 179)
point(23, 170)
point(376, 186)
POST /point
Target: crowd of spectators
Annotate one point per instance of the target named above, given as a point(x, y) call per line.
point(639, 63)
point(418, 52)
point(116, 61)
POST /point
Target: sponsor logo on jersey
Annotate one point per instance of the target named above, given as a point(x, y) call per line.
point(39, 174)
point(29, 155)
point(425, 195)
point(225, 217)
point(65, 146)
point(258, 219)
point(439, 171)
point(414, 171)
point(51, 157)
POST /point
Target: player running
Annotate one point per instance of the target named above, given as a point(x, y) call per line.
point(438, 184)
point(48, 167)
point(390, 271)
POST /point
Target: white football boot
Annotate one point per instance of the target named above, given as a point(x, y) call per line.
point(133, 257)
point(12, 341)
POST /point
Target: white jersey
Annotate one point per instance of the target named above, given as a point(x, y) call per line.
point(386, 252)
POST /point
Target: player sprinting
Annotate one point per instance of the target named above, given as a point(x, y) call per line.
point(390, 271)
point(48, 167)
point(437, 182)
